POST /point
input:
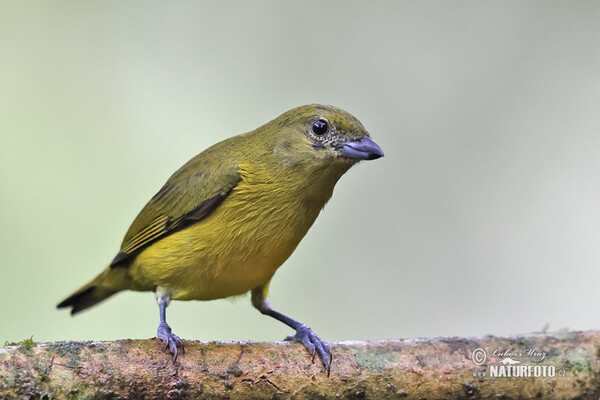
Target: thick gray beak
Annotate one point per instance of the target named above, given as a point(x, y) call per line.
point(362, 149)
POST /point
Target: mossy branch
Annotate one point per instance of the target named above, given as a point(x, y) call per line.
point(405, 369)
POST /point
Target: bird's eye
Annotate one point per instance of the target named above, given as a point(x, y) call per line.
point(320, 127)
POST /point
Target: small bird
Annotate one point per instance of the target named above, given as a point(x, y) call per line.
point(224, 222)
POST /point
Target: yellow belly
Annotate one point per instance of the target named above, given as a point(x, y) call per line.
point(235, 249)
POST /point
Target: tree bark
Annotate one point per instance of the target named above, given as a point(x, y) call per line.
point(442, 368)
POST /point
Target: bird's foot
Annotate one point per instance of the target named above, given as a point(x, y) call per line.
point(171, 340)
point(314, 344)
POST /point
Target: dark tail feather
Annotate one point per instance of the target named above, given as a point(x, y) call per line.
point(85, 298)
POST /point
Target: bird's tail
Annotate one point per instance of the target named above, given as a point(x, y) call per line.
point(99, 289)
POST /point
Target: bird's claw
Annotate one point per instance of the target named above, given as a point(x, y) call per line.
point(171, 340)
point(314, 344)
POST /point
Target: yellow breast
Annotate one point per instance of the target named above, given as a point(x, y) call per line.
point(237, 247)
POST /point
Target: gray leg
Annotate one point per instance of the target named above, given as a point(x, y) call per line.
point(164, 330)
point(304, 334)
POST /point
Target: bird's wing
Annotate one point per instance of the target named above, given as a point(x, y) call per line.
point(191, 194)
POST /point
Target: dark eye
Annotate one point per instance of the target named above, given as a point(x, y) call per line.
point(320, 127)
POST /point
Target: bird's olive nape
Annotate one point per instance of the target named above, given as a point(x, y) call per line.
point(320, 127)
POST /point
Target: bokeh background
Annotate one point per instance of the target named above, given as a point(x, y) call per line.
point(483, 217)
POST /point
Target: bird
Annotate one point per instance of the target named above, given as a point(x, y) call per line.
point(232, 215)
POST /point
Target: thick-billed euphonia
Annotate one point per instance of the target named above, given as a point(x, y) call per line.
point(225, 221)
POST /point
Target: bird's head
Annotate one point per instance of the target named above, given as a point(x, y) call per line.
point(321, 136)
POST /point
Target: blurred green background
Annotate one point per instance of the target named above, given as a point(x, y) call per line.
point(484, 216)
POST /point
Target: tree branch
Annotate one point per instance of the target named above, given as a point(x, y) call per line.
point(404, 369)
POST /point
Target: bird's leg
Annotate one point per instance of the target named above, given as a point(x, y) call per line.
point(164, 330)
point(303, 334)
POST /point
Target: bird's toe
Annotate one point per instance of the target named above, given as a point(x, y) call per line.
point(171, 341)
point(314, 344)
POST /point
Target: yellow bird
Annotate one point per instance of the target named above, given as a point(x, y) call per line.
point(225, 221)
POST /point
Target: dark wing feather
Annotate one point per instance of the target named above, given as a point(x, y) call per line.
point(192, 193)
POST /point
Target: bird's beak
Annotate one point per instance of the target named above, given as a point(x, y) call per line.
point(362, 149)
